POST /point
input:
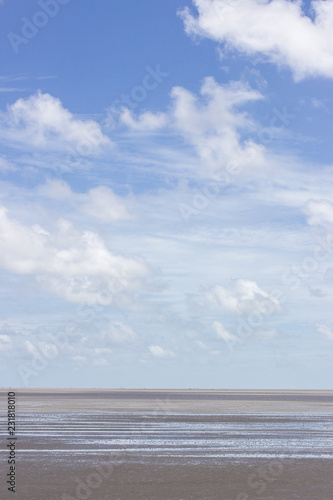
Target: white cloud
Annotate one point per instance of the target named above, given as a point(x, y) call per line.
point(320, 212)
point(79, 359)
point(70, 263)
point(100, 362)
point(100, 202)
point(41, 122)
point(223, 334)
point(146, 121)
point(245, 298)
point(6, 166)
point(267, 334)
point(30, 347)
point(11, 89)
point(325, 330)
point(211, 123)
point(57, 190)
point(104, 205)
point(277, 29)
point(5, 343)
point(118, 333)
point(201, 344)
point(102, 350)
point(159, 352)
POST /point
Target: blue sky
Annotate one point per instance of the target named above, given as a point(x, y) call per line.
point(165, 194)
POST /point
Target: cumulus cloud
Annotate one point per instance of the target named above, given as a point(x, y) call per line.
point(325, 330)
point(211, 123)
point(245, 298)
point(70, 263)
point(320, 212)
point(223, 334)
point(104, 205)
point(279, 30)
point(41, 122)
point(57, 190)
point(159, 352)
point(146, 121)
point(100, 203)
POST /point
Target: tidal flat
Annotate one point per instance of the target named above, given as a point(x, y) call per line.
point(170, 445)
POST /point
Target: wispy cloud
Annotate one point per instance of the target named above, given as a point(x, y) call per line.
point(7, 166)
point(159, 352)
point(223, 333)
point(12, 89)
point(100, 203)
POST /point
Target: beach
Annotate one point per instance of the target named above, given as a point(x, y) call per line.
point(171, 445)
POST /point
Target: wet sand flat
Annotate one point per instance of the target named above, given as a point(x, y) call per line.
point(177, 445)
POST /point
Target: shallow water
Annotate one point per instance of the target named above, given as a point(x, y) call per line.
point(143, 435)
point(168, 454)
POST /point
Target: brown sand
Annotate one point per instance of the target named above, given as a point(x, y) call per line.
point(128, 475)
point(303, 480)
point(174, 400)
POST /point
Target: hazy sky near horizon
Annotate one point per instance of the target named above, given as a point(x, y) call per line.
point(166, 183)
